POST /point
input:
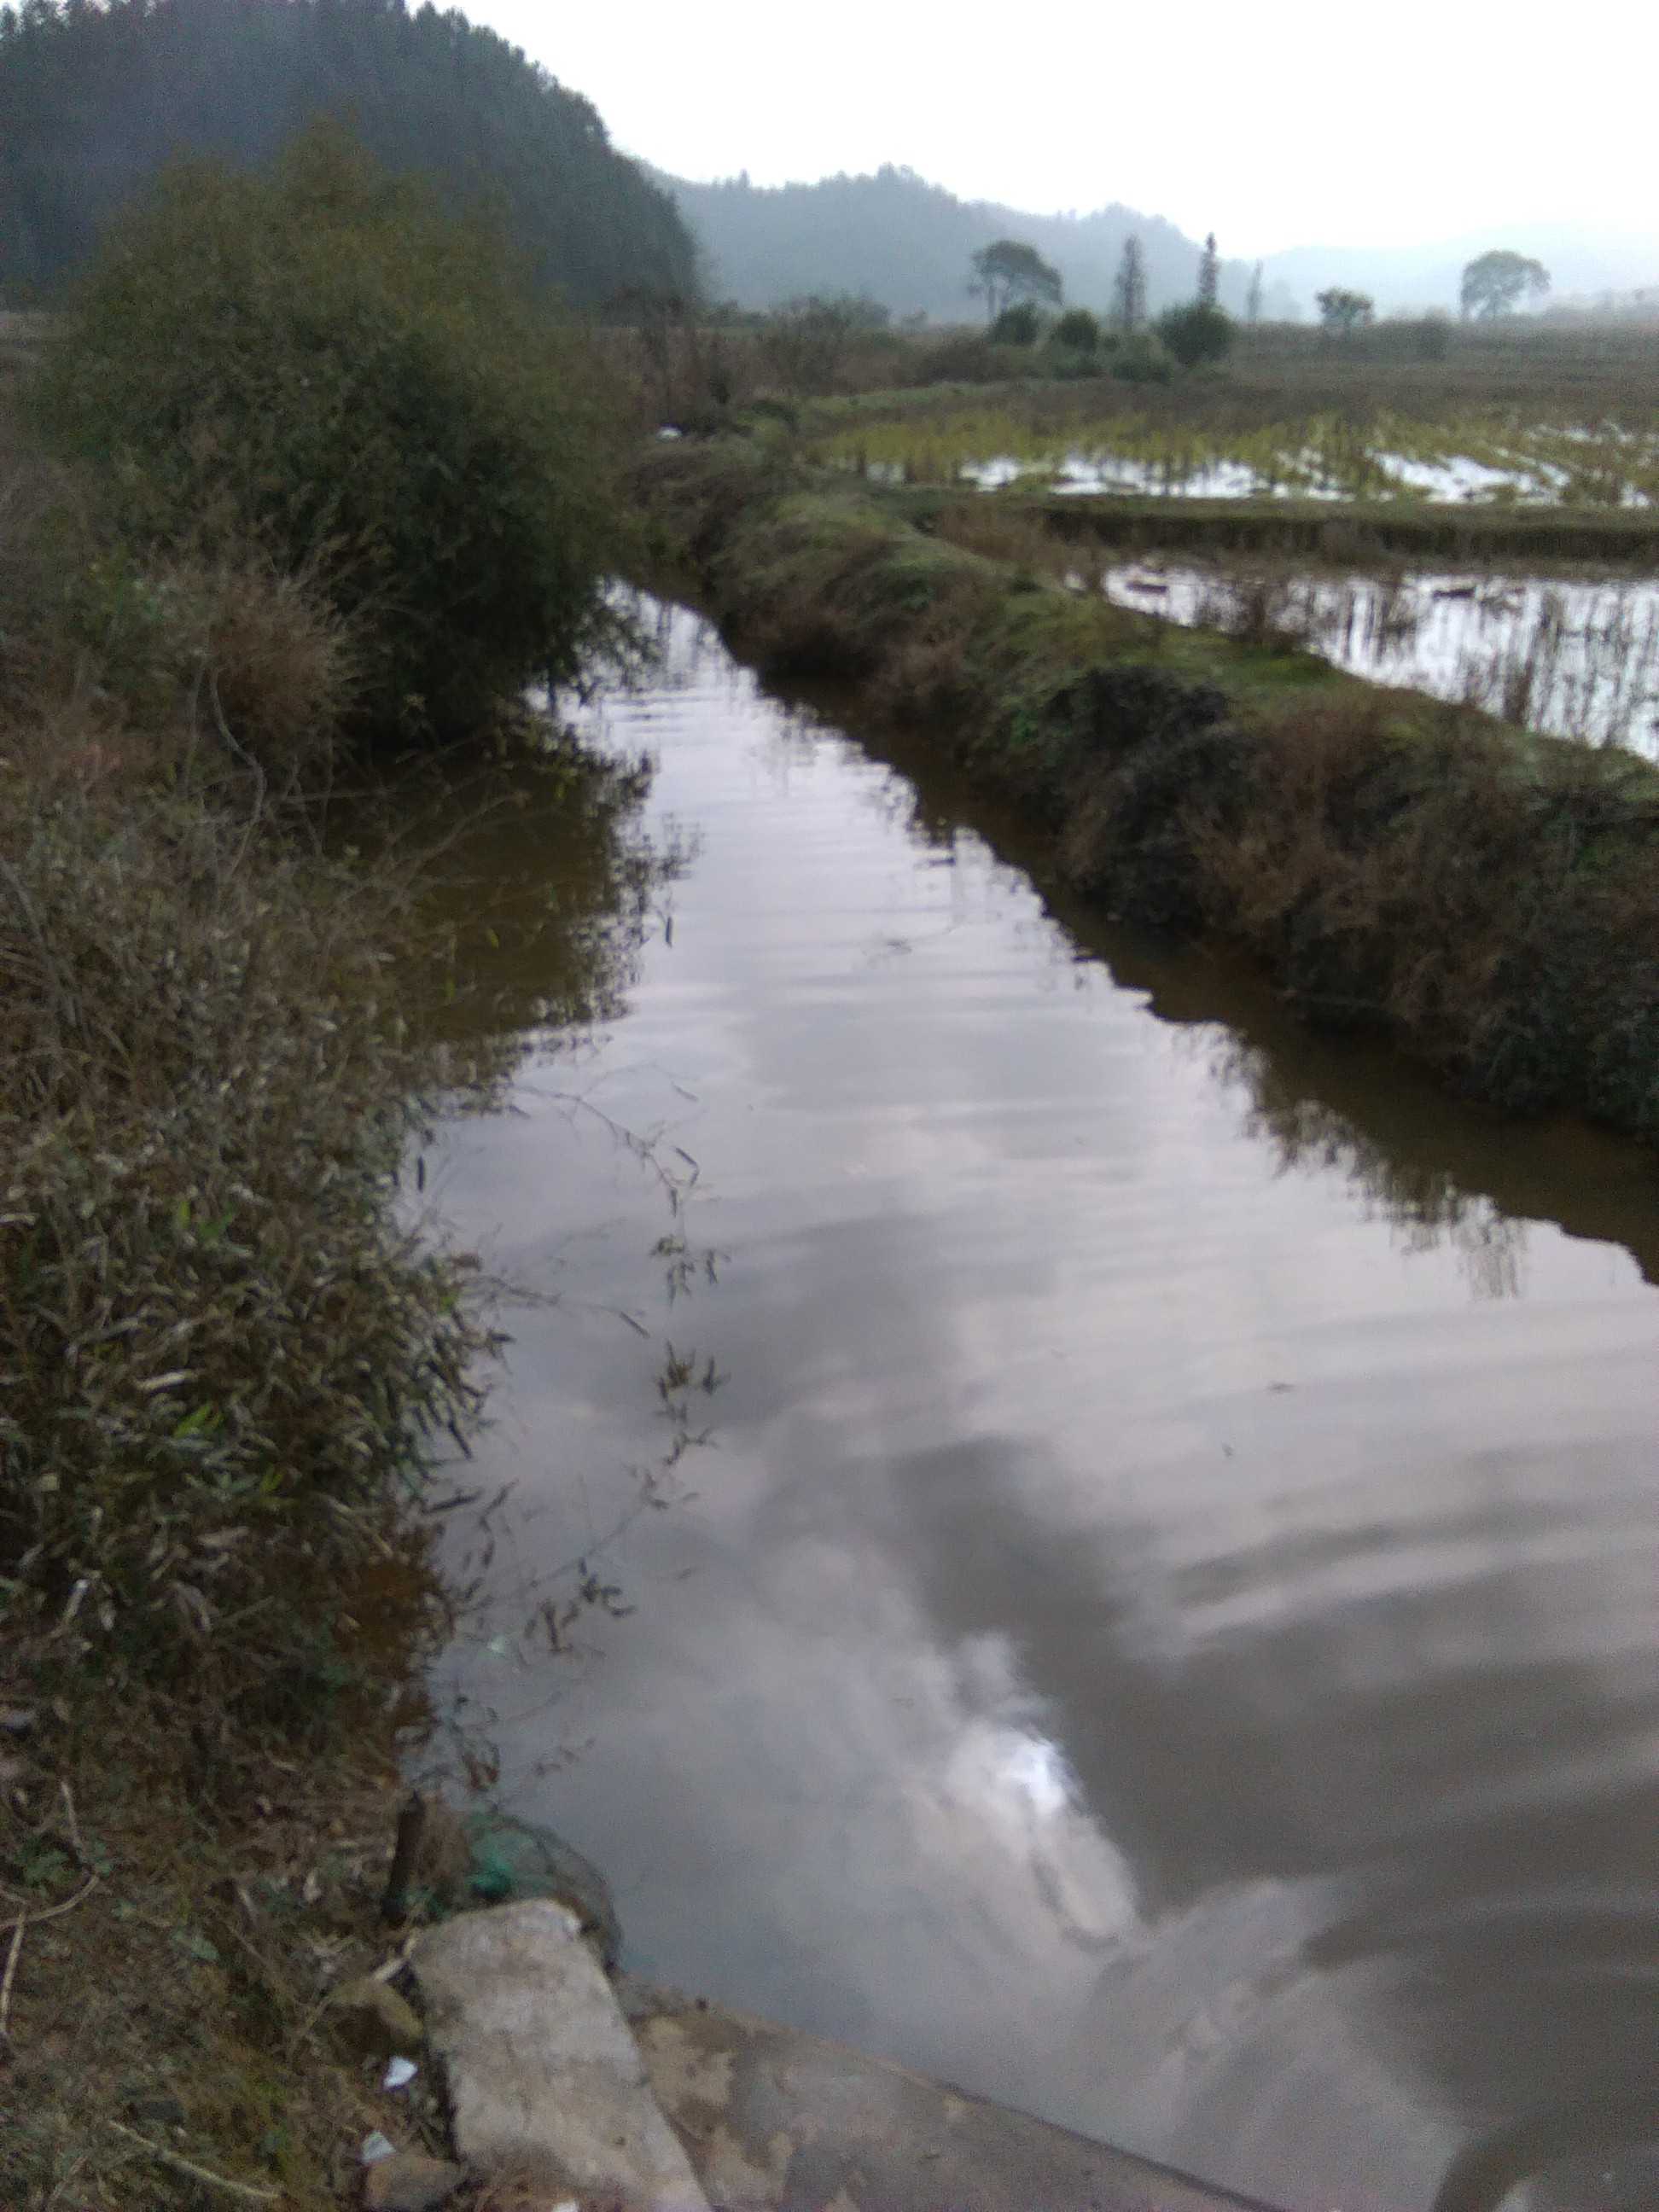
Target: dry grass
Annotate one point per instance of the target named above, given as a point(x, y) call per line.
point(674, 368)
point(1013, 535)
point(183, 2002)
point(273, 663)
point(223, 1355)
point(226, 1354)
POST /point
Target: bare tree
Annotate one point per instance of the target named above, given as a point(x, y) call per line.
point(1129, 289)
point(1253, 297)
point(659, 317)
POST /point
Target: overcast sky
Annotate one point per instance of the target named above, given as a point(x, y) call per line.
point(1286, 123)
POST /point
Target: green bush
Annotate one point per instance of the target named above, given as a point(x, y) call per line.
point(1141, 359)
point(1016, 326)
point(1077, 330)
point(1075, 345)
point(321, 362)
point(1197, 335)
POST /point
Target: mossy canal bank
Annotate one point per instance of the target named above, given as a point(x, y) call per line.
point(1486, 897)
point(1358, 530)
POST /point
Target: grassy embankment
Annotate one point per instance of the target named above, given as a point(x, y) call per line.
point(366, 499)
point(1487, 898)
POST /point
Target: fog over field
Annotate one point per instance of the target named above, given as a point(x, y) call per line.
point(907, 242)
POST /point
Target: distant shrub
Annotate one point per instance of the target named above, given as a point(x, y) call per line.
point(1198, 335)
point(959, 359)
point(985, 525)
point(1077, 330)
point(1141, 359)
point(323, 363)
point(805, 342)
point(1342, 311)
point(1019, 325)
point(1404, 338)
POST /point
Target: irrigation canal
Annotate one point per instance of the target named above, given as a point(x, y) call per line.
point(1163, 1629)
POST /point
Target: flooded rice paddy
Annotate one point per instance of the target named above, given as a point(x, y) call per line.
point(1480, 457)
point(1574, 657)
point(1120, 1540)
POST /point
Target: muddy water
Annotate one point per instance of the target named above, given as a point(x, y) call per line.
point(1153, 1614)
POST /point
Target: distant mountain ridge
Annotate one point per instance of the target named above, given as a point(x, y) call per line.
point(907, 243)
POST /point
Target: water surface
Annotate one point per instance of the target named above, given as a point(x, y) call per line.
point(1573, 656)
point(1161, 1629)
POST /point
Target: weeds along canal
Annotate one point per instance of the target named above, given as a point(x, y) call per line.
point(1121, 1537)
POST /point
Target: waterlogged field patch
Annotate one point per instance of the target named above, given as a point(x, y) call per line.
point(1478, 457)
point(1570, 657)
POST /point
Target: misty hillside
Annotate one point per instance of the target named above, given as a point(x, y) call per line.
point(907, 242)
point(1583, 264)
point(93, 100)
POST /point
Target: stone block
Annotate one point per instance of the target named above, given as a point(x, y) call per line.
point(543, 2075)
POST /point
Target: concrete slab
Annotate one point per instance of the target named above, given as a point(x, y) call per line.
point(776, 2120)
point(545, 2082)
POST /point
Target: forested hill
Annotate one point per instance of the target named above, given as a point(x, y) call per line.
point(907, 243)
point(92, 98)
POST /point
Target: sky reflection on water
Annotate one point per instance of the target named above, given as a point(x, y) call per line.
point(1164, 1632)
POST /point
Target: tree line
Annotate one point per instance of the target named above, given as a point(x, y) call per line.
point(1492, 287)
point(1016, 284)
point(93, 99)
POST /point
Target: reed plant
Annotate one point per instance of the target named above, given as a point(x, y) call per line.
point(225, 1356)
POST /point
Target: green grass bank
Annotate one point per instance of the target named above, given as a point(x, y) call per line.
point(1487, 898)
point(1359, 534)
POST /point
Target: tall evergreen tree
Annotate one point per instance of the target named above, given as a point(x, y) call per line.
point(1129, 289)
point(1209, 273)
point(94, 98)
